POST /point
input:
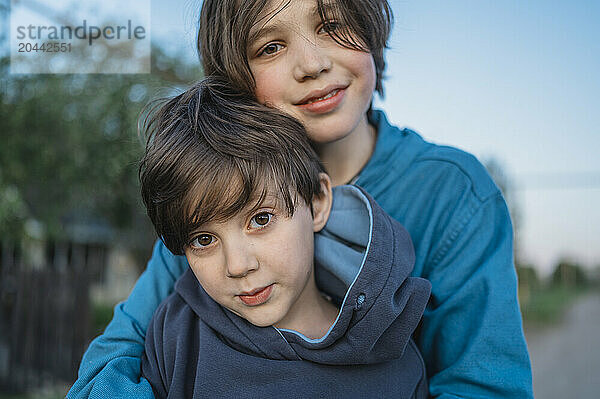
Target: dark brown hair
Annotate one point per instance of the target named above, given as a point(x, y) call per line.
point(225, 25)
point(212, 151)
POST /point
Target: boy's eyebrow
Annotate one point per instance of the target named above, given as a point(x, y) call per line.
point(269, 28)
point(327, 9)
point(268, 199)
point(264, 31)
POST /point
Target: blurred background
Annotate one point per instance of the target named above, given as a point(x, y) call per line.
point(515, 83)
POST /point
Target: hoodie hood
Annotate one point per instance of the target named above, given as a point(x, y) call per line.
point(363, 261)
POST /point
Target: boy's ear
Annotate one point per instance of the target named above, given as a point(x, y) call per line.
point(321, 204)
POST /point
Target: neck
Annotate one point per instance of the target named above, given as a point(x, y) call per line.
point(346, 157)
point(314, 318)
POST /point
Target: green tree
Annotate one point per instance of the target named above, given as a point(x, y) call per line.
point(70, 147)
point(569, 274)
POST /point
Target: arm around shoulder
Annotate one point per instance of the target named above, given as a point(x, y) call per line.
point(111, 365)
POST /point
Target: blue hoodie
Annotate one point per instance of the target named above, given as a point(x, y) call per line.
point(363, 260)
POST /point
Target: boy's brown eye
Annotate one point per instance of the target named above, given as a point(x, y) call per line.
point(271, 48)
point(203, 240)
point(262, 219)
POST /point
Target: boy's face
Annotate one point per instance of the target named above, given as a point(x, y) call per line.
point(259, 264)
point(301, 70)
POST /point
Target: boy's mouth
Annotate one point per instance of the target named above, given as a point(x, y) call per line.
point(323, 101)
point(325, 97)
point(256, 297)
point(321, 95)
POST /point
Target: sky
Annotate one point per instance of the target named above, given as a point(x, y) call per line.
point(517, 81)
point(512, 80)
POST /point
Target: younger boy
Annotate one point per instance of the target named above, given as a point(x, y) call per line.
point(237, 188)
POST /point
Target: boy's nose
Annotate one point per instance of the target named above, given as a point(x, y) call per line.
point(311, 62)
point(240, 260)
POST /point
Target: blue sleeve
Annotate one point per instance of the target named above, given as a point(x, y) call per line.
point(111, 366)
point(472, 337)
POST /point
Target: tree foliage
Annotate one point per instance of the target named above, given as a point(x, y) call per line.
point(69, 147)
point(569, 274)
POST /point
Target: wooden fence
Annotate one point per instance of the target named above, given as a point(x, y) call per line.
point(45, 316)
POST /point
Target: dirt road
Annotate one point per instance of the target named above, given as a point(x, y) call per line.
point(566, 358)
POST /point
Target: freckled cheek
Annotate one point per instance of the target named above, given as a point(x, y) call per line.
point(269, 89)
point(366, 70)
point(290, 250)
point(208, 275)
point(266, 93)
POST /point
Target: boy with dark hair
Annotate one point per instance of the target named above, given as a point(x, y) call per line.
point(237, 188)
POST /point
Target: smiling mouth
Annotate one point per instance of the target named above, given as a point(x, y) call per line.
point(325, 97)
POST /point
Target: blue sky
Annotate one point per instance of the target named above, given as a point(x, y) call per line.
point(517, 81)
point(513, 80)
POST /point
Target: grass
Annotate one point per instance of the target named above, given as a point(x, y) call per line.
point(546, 306)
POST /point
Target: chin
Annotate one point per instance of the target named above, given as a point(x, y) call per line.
point(328, 136)
point(261, 321)
point(331, 131)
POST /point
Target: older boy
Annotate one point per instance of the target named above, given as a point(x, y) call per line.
point(236, 187)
